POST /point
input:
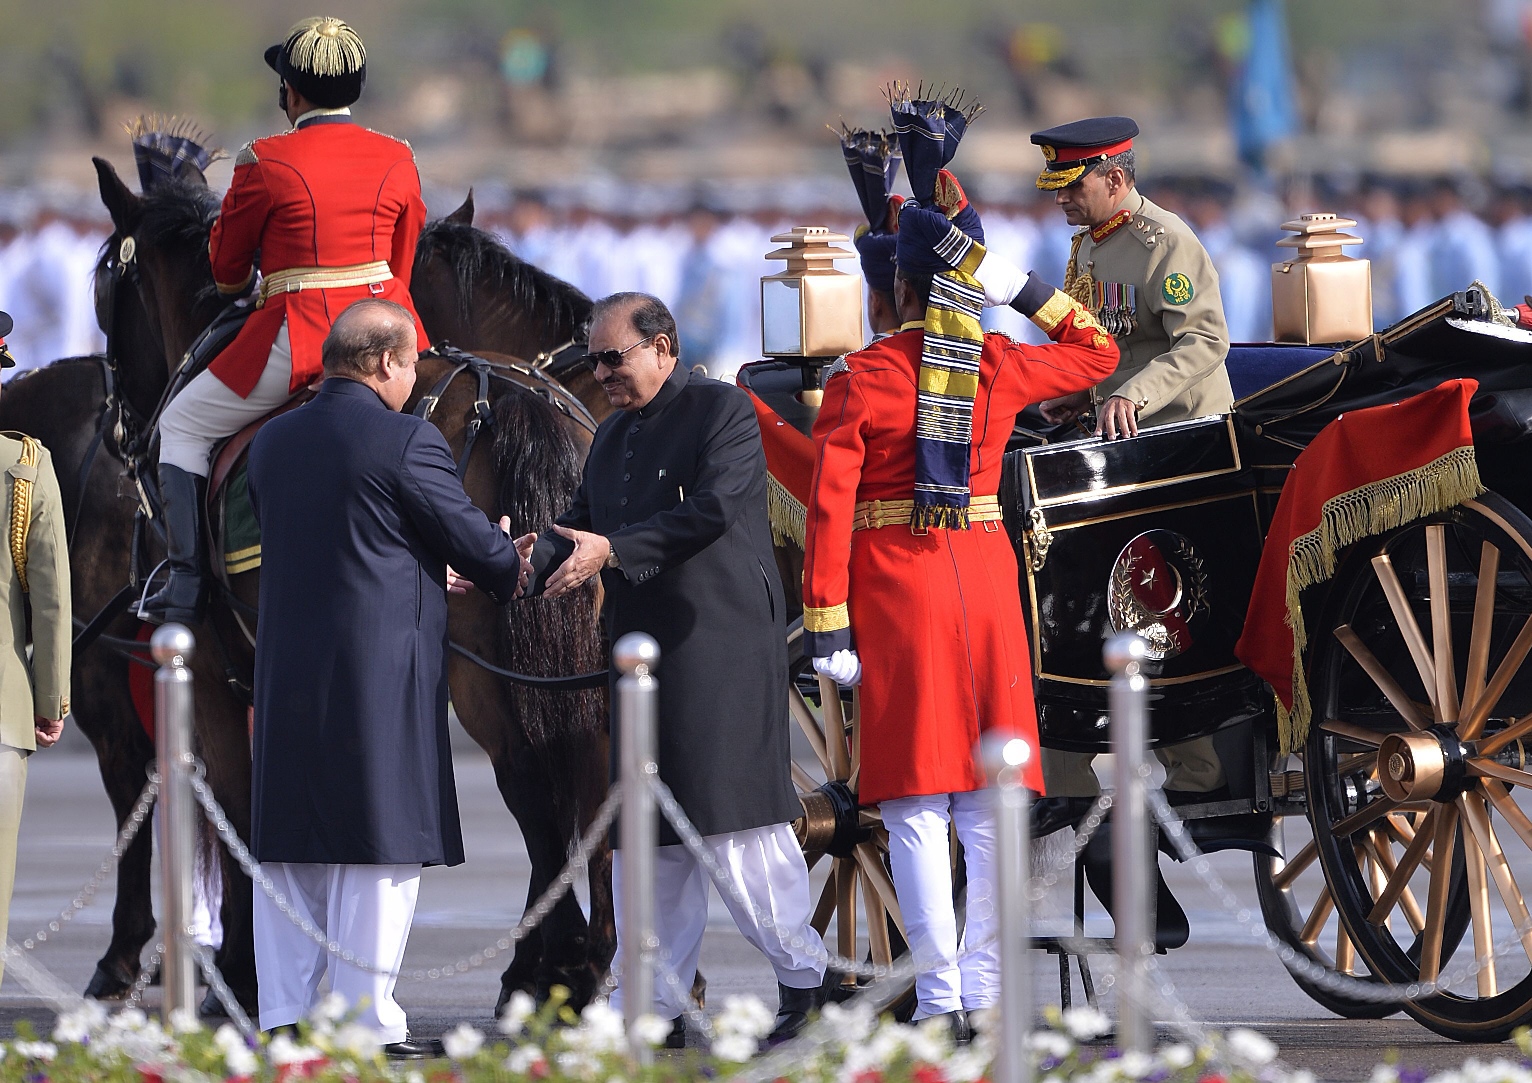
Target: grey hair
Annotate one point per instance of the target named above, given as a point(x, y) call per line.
point(358, 350)
point(1127, 161)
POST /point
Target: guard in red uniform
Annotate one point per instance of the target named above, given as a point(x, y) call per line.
point(334, 210)
point(910, 581)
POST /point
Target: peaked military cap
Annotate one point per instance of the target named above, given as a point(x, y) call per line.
point(1070, 149)
point(6, 324)
point(324, 60)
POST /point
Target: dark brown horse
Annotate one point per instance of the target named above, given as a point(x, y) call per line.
point(548, 747)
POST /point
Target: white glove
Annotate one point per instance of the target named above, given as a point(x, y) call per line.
point(842, 667)
point(1002, 280)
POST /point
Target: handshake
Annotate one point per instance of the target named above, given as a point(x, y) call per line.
point(457, 584)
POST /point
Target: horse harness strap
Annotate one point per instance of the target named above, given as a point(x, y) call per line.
point(21, 506)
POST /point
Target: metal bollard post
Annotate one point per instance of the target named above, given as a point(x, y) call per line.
point(1132, 854)
point(172, 646)
point(636, 655)
point(1003, 759)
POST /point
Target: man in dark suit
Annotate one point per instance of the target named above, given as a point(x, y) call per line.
point(671, 512)
point(360, 510)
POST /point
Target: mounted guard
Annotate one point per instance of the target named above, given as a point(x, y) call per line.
point(334, 209)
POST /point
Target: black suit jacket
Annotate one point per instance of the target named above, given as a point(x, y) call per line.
point(360, 510)
point(680, 489)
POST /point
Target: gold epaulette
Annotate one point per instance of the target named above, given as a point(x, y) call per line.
point(21, 509)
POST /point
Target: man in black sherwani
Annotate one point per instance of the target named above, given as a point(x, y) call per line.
point(360, 510)
point(671, 512)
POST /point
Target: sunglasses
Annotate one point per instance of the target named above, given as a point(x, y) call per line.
point(613, 359)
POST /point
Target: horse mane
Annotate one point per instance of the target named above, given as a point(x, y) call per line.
point(478, 260)
point(173, 214)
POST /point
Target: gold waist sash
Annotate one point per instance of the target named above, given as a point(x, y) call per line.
point(872, 514)
point(294, 279)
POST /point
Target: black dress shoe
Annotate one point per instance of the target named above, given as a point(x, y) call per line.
point(676, 1039)
point(413, 1048)
point(793, 1008)
point(1050, 814)
point(957, 1021)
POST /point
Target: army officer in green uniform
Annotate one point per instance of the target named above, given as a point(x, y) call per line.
point(34, 574)
point(1150, 282)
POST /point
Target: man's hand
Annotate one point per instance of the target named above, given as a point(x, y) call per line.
point(524, 546)
point(1117, 419)
point(48, 730)
point(457, 584)
point(1065, 409)
point(842, 667)
point(588, 558)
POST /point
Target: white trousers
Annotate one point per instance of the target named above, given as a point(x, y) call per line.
point(13, 786)
point(366, 909)
point(767, 865)
point(921, 860)
point(205, 411)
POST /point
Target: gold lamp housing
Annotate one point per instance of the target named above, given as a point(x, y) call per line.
point(810, 309)
point(1321, 294)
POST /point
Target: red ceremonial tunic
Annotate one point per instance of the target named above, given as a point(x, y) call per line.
point(936, 616)
point(328, 194)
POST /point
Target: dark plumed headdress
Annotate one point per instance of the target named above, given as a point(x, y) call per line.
point(165, 148)
point(929, 123)
point(324, 60)
point(873, 158)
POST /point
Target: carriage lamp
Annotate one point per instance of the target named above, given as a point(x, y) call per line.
point(1321, 294)
point(810, 309)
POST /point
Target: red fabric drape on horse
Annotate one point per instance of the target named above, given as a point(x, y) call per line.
point(789, 472)
point(1366, 473)
point(141, 683)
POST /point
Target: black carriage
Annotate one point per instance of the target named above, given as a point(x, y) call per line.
point(1403, 793)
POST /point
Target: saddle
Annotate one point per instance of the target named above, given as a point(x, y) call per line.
point(234, 536)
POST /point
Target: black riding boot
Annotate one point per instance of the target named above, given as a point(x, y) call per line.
point(182, 597)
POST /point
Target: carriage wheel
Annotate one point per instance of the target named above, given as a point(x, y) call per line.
point(1417, 750)
point(1300, 912)
point(834, 827)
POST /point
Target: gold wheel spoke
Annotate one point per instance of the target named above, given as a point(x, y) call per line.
point(1399, 878)
point(1488, 844)
point(826, 905)
point(1478, 903)
point(835, 729)
point(845, 913)
point(1446, 688)
point(1383, 855)
point(1309, 934)
point(1400, 827)
point(804, 780)
point(1483, 626)
point(810, 860)
point(1509, 810)
point(1381, 677)
point(870, 861)
point(1490, 769)
point(1404, 617)
point(1360, 762)
point(1351, 732)
point(803, 714)
point(1364, 816)
point(1345, 951)
point(1291, 870)
point(1474, 719)
point(1514, 732)
point(1436, 899)
point(856, 740)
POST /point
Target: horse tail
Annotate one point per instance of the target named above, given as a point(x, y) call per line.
point(537, 466)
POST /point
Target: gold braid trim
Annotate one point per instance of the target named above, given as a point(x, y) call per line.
point(786, 513)
point(21, 510)
point(1082, 287)
point(1053, 311)
point(1346, 519)
point(829, 619)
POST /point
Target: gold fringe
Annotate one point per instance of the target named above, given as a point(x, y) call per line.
point(788, 516)
point(324, 45)
point(1346, 519)
point(940, 517)
point(21, 510)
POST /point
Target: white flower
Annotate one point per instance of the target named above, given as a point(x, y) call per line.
point(577, 1064)
point(1251, 1047)
point(414, 1075)
point(734, 1047)
point(331, 1009)
point(283, 1050)
point(966, 1065)
point(462, 1041)
point(184, 1021)
point(130, 1019)
point(1086, 1023)
point(358, 1040)
point(1050, 1043)
point(600, 1031)
point(240, 1061)
point(651, 1029)
point(848, 1024)
point(745, 1017)
point(1384, 1073)
point(518, 1010)
point(35, 1050)
point(79, 1023)
point(524, 1058)
point(1177, 1057)
point(1135, 1065)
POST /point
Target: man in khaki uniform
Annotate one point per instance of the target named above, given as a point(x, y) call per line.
point(34, 574)
point(1147, 278)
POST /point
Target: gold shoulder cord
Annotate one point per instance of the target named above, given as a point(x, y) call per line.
point(21, 510)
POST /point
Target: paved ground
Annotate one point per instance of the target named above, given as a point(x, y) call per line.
point(1224, 977)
